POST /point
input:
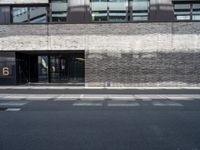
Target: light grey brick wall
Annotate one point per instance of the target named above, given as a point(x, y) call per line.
point(124, 54)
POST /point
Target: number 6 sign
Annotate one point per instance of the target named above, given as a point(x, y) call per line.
point(5, 71)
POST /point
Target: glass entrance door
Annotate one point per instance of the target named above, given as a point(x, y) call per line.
point(43, 66)
point(54, 68)
point(58, 72)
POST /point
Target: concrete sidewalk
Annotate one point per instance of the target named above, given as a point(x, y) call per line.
point(97, 90)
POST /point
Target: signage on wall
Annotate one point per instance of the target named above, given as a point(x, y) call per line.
point(5, 71)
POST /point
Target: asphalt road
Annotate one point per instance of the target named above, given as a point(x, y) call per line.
point(100, 125)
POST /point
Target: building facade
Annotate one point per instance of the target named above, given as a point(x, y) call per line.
point(104, 43)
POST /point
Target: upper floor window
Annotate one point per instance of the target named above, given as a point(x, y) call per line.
point(187, 11)
point(99, 10)
point(120, 10)
point(29, 14)
point(140, 10)
point(59, 10)
point(196, 11)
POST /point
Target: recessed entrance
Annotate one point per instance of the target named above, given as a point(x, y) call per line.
point(55, 67)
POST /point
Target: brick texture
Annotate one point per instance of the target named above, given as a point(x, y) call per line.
point(124, 54)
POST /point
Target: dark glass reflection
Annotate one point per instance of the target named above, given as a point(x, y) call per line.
point(43, 66)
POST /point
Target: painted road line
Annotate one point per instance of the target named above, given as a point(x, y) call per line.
point(92, 97)
point(148, 97)
point(167, 104)
point(112, 104)
point(13, 109)
point(179, 98)
point(14, 97)
point(67, 97)
point(40, 97)
point(13, 103)
point(121, 97)
point(87, 104)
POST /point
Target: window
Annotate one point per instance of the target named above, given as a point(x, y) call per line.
point(140, 10)
point(59, 10)
point(99, 10)
point(118, 10)
point(20, 14)
point(29, 14)
point(38, 15)
point(196, 12)
point(109, 10)
point(187, 11)
point(182, 11)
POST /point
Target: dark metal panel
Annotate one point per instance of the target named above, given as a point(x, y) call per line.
point(161, 10)
point(7, 68)
point(79, 14)
point(4, 15)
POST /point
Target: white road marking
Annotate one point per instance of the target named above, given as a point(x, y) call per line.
point(65, 98)
point(40, 97)
point(14, 97)
point(87, 104)
point(13, 109)
point(13, 103)
point(121, 97)
point(179, 98)
point(123, 104)
point(167, 104)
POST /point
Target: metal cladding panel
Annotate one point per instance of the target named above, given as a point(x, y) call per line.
point(7, 68)
point(23, 1)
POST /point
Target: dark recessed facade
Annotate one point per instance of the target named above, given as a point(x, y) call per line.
point(119, 43)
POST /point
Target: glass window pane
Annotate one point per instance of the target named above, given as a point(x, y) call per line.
point(196, 9)
point(59, 10)
point(182, 6)
point(20, 14)
point(182, 11)
point(140, 10)
point(99, 10)
point(38, 14)
point(183, 17)
point(118, 10)
point(195, 17)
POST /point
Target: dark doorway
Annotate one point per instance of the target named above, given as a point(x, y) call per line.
point(61, 67)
